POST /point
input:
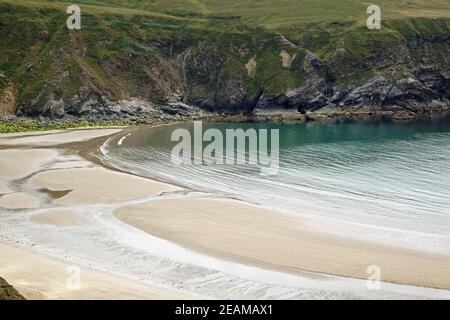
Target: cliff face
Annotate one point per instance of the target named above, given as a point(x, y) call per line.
point(117, 67)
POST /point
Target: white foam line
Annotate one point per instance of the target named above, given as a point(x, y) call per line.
point(128, 236)
point(143, 241)
point(407, 239)
point(123, 139)
point(148, 243)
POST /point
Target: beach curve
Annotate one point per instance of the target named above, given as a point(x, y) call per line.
point(183, 224)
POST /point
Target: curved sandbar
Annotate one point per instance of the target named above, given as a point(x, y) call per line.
point(253, 234)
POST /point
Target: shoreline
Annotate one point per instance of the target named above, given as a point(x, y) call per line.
point(37, 277)
point(317, 252)
point(197, 217)
point(332, 115)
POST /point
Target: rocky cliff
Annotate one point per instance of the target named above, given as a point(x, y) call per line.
point(7, 292)
point(120, 67)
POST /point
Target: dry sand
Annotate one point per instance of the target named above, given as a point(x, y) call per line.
point(59, 218)
point(97, 185)
point(37, 277)
point(56, 137)
point(4, 189)
point(19, 200)
point(257, 235)
point(16, 164)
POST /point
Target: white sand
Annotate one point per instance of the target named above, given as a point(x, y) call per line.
point(250, 233)
point(229, 229)
point(31, 133)
point(4, 189)
point(16, 164)
point(97, 185)
point(57, 137)
point(59, 218)
point(37, 277)
point(19, 200)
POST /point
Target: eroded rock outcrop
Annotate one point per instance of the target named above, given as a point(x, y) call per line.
point(7, 292)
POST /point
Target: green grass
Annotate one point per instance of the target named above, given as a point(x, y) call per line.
point(28, 125)
point(115, 51)
point(277, 13)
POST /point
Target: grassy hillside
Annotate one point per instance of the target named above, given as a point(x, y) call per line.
point(270, 13)
point(201, 51)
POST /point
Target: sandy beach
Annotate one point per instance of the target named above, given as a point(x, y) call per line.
point(39, 278)
point(254, 234)
point(45, 183)
point(36, 276)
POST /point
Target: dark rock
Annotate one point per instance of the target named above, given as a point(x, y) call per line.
point(7, 292)
point(231, 97)
point(54, 108)
point(87, 100)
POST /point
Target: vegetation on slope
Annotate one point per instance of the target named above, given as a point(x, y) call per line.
point(276, 14)
point(211, 53)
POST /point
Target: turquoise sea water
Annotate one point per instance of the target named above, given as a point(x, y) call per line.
point(385, 183)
